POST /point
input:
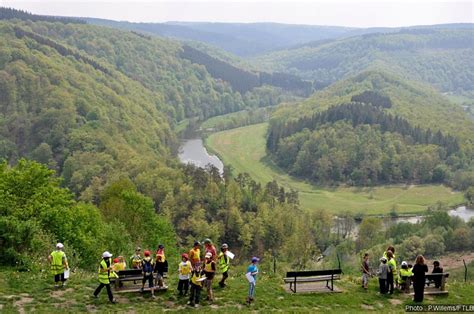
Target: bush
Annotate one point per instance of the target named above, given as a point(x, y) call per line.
point(434, 245)
point(411, 248)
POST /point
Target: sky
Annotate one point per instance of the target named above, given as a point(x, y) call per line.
point(365, 13)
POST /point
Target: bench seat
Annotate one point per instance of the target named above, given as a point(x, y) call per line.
point(311, 279)
point(329, 275)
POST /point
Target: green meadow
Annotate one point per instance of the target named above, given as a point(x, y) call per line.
point(244, 150)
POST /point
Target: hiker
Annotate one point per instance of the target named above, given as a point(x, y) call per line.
point(59, 264)
point(197, 276)
point(105, 268)
point(136, 259)
point(437, 269)
point(405, 277)
point(195, 254)
point(391, 249)
point(119, 264)
point(382, 273)
point(210, 248)
point(224, 263)
point(419, 271)
point(161, 266)
point(184, 271)
point(147, 271)
point(209, 271)
point(392, 275)
point(251, 275)
point(365, 271)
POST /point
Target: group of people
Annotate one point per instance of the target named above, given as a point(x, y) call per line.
point(195, 271)
point(390, 276)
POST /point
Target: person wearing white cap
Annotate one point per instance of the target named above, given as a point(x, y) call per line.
point(209, 271)
point(383, 274)
point(224, 263)
point(59, 264)
point(405, 277)
point(105, 269)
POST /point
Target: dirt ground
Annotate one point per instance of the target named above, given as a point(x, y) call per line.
point(454, 260)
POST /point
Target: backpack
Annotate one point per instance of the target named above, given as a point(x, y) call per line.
point(147, 267)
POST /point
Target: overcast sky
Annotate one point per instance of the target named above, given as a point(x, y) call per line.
point(317, 12)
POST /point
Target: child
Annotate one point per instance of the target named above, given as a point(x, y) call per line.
point(195, 254)
point(437, 269)
point(251, 275)
point(382, 273)
point(365, 271)
point(209, 271)
point(160, 266)
point(147, 271)
point(196, 284)
point(184, 271)
point(405, 277)
point(136, 259)
point(224, 263)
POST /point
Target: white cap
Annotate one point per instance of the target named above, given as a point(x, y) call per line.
point(208, 255)
point(59, 245)
point(106, 254)
point(383, 259)
point(404, 263)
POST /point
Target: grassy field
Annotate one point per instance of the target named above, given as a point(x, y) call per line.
point(28, 292)
point(244, 150)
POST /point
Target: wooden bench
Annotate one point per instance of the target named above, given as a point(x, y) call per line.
point(432, 278)
point(294, 277)
point(134, 275)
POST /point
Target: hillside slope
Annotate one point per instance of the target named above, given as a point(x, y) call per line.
point(441, 57)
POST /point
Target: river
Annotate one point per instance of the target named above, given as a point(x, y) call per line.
point(193, 151)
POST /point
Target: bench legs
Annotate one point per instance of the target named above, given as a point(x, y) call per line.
point(332, 283)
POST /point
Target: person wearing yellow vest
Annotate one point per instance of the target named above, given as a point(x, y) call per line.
point(197, 276)
point(105, 270)
point(209, 271)
point(59, 264)
point(195, 254)
point(136, 259)
point(392, 275)
point(184, 271)
point(224, 263)
point(405, 277)
point(161, 267)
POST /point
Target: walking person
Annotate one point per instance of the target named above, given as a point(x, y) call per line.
point(209, 271)
point(105, 268)
point(419, 271)
point(147, 271)
point(365, 271)
point(184, 272)
point(382, 273)
point(251, 275)
point(224, 263)
point(59, 264)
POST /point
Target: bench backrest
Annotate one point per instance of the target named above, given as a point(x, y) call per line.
point(129, 272)
point(312, 273)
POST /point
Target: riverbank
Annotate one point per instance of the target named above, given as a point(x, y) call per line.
point(244, 149)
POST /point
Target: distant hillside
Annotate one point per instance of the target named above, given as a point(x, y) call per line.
point(372, 129)
point(441, 57)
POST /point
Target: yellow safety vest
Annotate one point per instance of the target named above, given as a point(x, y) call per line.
point(162, 255)
point(185, 269)
point(195, 277)
point(208, 267)
point(393, 265)
point(57, 266)
point(195, 255)
point(404, 273)
point(224, 262)
point(103, 275)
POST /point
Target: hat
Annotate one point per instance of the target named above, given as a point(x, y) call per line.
point(161, 246)
point(206, 241)
point(383, 259)
point(255, 259)
point(59, 245)
point(225, 246)
point(146, 253)
point(116, 260)
point(106, 254)
point(208, 255)
point(184, 255)
point(404, 263)
point(196, 243)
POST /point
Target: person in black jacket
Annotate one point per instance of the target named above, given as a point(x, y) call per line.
point(419, 271)
point(437, 269)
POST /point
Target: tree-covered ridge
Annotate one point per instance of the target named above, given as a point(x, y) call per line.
point(10, 13)
point(441, 57)
point(63, 112)
point(415, 102)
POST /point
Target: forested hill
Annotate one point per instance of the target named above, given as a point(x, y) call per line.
point(373, 129)
point(441, 57)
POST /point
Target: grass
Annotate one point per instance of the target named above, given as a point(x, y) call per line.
point(28, 292)
point(244, 149)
